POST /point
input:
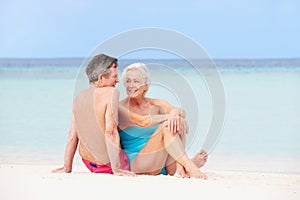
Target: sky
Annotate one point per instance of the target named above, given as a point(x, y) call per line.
point(224, 28)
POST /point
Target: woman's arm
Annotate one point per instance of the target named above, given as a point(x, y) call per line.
point(176, 120)
point(127, 118)
point(167, 108)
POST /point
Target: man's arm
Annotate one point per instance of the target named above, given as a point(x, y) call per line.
point(71, 147)
point(112, 138)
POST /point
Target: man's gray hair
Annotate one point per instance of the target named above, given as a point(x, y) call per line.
point(100, 64)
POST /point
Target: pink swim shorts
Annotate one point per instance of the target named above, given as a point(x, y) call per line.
point(95, 168)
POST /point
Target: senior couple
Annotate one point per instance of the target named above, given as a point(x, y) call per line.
point(137, 135)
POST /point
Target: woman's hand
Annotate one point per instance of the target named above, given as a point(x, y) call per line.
point(177, 124)
point(183, 127)
point(173, 123)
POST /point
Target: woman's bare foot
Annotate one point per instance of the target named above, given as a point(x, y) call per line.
point(200, 158)
point(194, 172)
point(198, 161)
point(180, 172)
point(200, 175)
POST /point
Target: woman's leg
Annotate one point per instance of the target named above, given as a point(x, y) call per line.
point(152, 157)
point(154, 154)
point(173, 167)
point(176, 149)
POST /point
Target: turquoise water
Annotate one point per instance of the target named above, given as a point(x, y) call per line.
point(262, 114)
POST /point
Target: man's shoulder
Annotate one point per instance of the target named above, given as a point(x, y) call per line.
point(107, 92)
point(81, 94)
point(107, 89)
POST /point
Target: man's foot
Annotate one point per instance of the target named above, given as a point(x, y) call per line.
point(200, 158)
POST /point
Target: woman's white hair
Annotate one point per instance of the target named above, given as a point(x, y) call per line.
point(141, 68)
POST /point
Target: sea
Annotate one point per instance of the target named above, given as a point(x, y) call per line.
point(245, 113)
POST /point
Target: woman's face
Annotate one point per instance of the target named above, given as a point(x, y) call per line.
point(134, 84)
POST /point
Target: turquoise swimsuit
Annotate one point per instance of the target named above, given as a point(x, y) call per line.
point(134, 138)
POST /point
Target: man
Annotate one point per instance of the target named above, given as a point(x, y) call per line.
point(94, 122)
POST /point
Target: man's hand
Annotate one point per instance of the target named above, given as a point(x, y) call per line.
point(62, 170)
point(122, 172)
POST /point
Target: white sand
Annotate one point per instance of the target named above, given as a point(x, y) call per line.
point(37, 182)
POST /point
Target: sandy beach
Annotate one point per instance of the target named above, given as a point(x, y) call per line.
point(20, 181)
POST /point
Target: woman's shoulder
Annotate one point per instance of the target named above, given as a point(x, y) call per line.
point(123, 102)
point(163, 105)
point(157, 102)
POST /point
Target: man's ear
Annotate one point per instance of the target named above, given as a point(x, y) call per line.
point(100, 76)
point(100, 80)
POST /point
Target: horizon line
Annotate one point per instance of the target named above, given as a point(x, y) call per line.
point(70, 58)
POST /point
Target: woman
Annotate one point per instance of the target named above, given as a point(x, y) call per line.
point(153, 143)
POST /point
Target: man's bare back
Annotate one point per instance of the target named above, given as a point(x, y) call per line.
point(91, 107)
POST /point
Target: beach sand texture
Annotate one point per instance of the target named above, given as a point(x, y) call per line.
point(37, 182)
